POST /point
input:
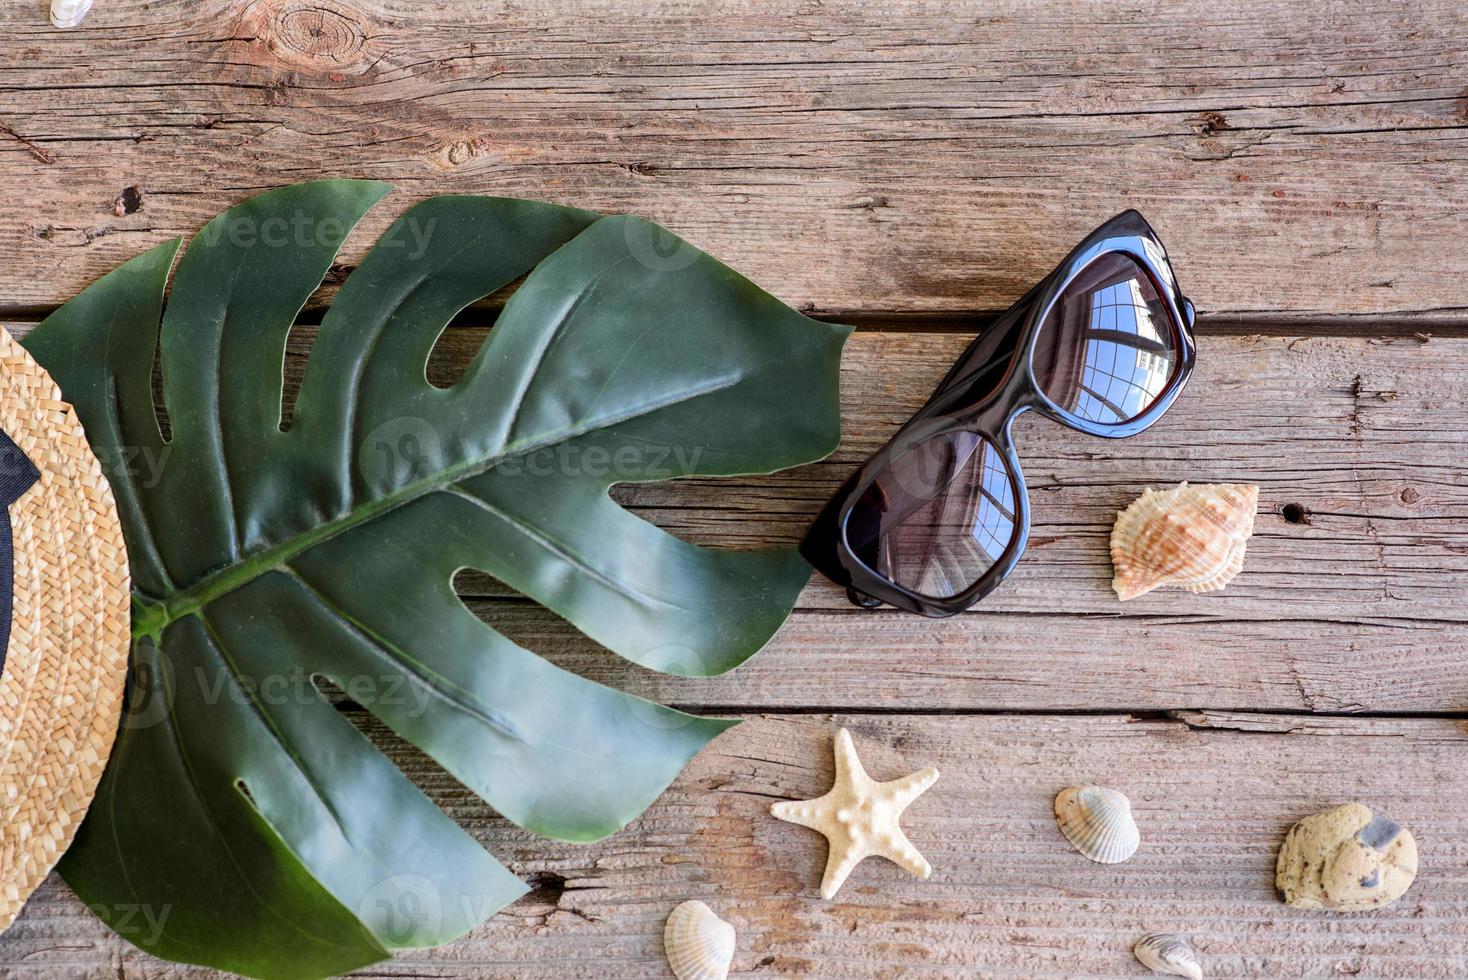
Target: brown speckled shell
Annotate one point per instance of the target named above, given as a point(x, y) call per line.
point(1347, 859)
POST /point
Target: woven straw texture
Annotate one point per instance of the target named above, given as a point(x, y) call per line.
point(61, 688)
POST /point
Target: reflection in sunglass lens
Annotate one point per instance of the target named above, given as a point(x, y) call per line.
point(1108, 347)
point(939, 517)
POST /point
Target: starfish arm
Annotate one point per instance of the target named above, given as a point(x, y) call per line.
point(807, 813)
point(896, 848)
point(849, 769)
point(909, 788)
point(843, 857)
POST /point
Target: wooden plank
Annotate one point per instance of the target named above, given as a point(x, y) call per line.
point(1363, 512)
point(1357, 450)
point(1303, 163)
point(1359, 606)
point(1212, 792)
point(917, 158)
point(887, 660)
point(1352, 603)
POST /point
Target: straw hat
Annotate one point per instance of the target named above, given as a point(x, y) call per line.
point(65, 657)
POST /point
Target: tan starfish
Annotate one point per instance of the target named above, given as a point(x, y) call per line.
point(859, 817)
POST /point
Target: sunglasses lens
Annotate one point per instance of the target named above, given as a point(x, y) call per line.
point(939, 517)
point(1108, 347)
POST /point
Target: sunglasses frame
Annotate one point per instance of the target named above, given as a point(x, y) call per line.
point(954, 408)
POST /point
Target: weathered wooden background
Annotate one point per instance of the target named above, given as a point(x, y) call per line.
point(912, 168)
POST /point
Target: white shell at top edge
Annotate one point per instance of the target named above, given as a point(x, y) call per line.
point(1167, 952)
point(1189, 537)
point(699, 944)
point(1098, 823)
point(69, 13)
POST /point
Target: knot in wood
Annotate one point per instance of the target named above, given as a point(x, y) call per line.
point(317, 34)
point(456, 153)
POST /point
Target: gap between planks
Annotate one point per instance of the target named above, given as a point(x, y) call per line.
point(1186, 716)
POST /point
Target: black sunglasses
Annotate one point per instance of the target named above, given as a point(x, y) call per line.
point(938, 517)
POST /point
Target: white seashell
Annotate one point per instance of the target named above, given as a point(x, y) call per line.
point(1167, 952)
point(1098, 822)
point(699, 944)
point(1189, 537)
point(69, 13)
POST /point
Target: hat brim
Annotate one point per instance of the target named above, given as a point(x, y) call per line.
point(65, 666)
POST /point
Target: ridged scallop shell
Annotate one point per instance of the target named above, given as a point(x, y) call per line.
point(1190, 537)
point(1098, 822)
point(69, 13)
point(1167, 952)
point(699, 945)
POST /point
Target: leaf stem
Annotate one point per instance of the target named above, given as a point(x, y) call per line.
point(151, 616)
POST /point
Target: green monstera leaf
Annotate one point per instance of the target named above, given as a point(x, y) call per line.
point(244, 822)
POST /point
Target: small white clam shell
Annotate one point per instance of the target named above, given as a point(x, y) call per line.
point(69, 13)
point(699, 944)
point(1098, 822)
point(1167, 952)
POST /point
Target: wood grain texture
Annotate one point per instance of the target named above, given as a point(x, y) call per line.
point(1299, 158)
point(1352, 602)
point(911, 166)
point(1351, 599)
point(1212, 792)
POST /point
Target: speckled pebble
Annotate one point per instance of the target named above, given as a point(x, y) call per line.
point(1346, 859)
